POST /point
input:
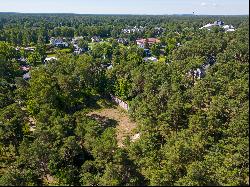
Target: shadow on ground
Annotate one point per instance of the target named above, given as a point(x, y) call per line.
point(104, 121)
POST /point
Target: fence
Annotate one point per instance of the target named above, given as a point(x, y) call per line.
point(121, 103)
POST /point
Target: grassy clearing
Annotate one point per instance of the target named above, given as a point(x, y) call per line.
point(67, 50)
point(51, 55)
point(125, 126)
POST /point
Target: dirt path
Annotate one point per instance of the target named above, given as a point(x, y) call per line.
point(125, 125)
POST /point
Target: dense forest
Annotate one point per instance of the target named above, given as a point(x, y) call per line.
point(191, 105)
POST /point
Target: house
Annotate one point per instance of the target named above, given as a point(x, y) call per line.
point(22, 59)
point(153, 59)
point(26, 76)
point(29, 48)
point(211, 60)
point(110, 66)
point(218, 23)
point(158, 30)
point(122, 41)
point(210, 25)
point(47, 59)
point(178, 44)
point(25, 68)
point(228, 28)
point(58, 42)
point(197, 73)
point(147, 52)
point(141, 42)
point(95, 39)
point(132, 30)
point(207, 26)
point(76, 46)
point(125, 31)
point(78, 51)
point(200, 72)
point(205, 66)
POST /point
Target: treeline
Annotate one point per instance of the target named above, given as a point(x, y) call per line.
point(28, 29)
point(193, 130)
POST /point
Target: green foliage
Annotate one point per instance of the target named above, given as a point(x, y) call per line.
point(156, 50)
point(193, 130)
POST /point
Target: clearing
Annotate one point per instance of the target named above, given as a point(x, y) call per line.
point(125, 125)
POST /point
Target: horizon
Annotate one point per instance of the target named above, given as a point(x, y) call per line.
point(181, 14)
point(128, 7)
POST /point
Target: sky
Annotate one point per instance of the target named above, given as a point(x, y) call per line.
point(153, 7)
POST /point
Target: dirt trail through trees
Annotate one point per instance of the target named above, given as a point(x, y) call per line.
point(125, 125)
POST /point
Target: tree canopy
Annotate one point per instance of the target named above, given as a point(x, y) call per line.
point(191, 106)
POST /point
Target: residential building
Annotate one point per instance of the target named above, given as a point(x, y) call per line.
point(23, 60)
point(95, 39)
point(25, 68)
point(29, 48)
point(122, 40)
point(47, 59)
point(58, 42)
point(148, 59)
point(228, 28)
point(147, 52)
point(142, 42)
point(134, 29)
point(26, 76)
point(218, 23)
point(78, 50)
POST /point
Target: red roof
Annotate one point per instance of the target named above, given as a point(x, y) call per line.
point(25, 68)
point(150, 40)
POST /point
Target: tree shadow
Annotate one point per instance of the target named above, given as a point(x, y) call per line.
point(104, 121)
point(98, 102)
point(92, 102)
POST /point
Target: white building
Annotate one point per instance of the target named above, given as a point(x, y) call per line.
point(133, 29)
point(29, 48)
point(153, 59)
point(227, 28)
point(26, 76)
point(208, 26)
point(47, 59)
point(78, 51)
point(95, 39)
point(58, 42)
